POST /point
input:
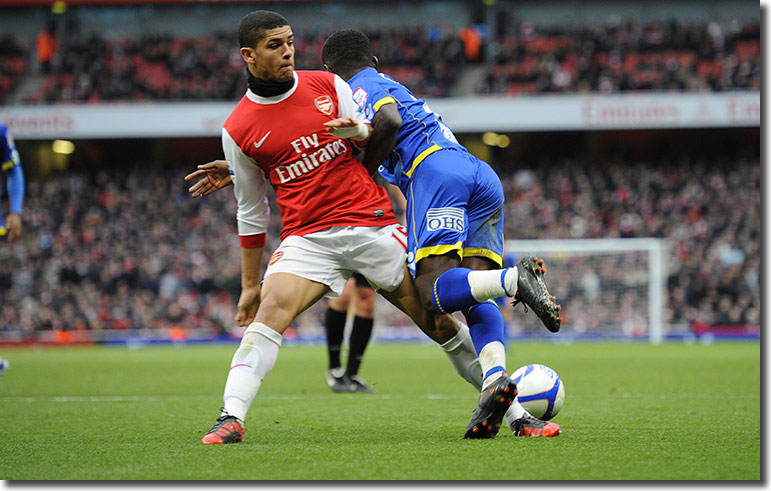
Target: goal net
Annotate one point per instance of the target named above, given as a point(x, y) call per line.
point(608, 288)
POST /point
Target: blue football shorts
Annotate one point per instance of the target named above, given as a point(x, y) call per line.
point(454, 203)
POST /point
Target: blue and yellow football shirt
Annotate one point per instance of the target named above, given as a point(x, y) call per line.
point(421, 134)
point(454, 200)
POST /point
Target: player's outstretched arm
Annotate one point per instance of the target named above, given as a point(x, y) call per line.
point(211, 177)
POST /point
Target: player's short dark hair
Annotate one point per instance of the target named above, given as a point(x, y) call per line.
point(347, 49)
point(253, 25)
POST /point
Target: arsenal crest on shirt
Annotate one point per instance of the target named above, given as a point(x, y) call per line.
point(324, 104)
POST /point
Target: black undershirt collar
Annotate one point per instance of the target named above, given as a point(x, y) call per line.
point(268, 88)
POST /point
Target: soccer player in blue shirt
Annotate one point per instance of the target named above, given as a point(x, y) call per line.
point(454, 220)
point(10, 163)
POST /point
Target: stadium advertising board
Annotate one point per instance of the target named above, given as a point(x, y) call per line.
point(464, 115)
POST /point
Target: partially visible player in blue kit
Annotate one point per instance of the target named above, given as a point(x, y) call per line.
point(10, 163)
point(454, 223)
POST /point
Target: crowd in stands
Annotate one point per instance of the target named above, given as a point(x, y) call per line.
point(427, 60)
point(161, 67)
point(129, 248)
point(154, 67)
point(527, 58)
point(712, 224)
point(660, 56)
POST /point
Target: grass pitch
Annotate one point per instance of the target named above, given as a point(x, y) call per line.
point(632, 411)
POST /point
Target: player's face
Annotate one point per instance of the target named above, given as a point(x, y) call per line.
point(273, 57)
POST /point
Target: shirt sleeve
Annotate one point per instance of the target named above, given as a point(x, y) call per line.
point(10, 156)
point(15, 185)
point(250, 189)
point(346, 106)
point(380, 97)
point(370, 97)
point(11, 165)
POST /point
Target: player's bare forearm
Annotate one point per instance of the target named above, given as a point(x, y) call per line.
point(211, 177)
point(385, 128)
point(251, 265)
point(399, 202)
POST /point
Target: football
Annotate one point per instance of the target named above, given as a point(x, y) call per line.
point(541, 391)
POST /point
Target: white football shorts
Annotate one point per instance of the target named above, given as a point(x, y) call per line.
point(332, 255)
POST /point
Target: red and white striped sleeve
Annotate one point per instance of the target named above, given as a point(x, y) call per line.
point(250, 189)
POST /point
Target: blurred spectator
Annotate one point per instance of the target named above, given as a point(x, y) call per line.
point(13, 63)
point(47, 46)
point(472, 43)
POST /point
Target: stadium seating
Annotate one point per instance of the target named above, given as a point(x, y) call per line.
point(606, 57)
point(123, 268)
point(663, 56)
point(159, 67)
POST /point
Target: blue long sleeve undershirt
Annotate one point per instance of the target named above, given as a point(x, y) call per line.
point(15, 188)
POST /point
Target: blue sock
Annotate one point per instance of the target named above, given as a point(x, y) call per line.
point(485, 324)
point(452, 291)
point(486, 329)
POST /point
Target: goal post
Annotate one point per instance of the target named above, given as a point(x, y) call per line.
point(607, 287)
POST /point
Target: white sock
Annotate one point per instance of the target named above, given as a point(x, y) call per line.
point(460, 350)
point(492, 355)
point(514, 412)
point(252, 362)
point(488, 284)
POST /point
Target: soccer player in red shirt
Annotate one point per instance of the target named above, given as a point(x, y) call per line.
point(336, 220)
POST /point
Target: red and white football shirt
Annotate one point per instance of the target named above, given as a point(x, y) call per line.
point(318, 182)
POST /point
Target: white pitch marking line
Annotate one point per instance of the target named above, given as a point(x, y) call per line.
point(275, 397)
